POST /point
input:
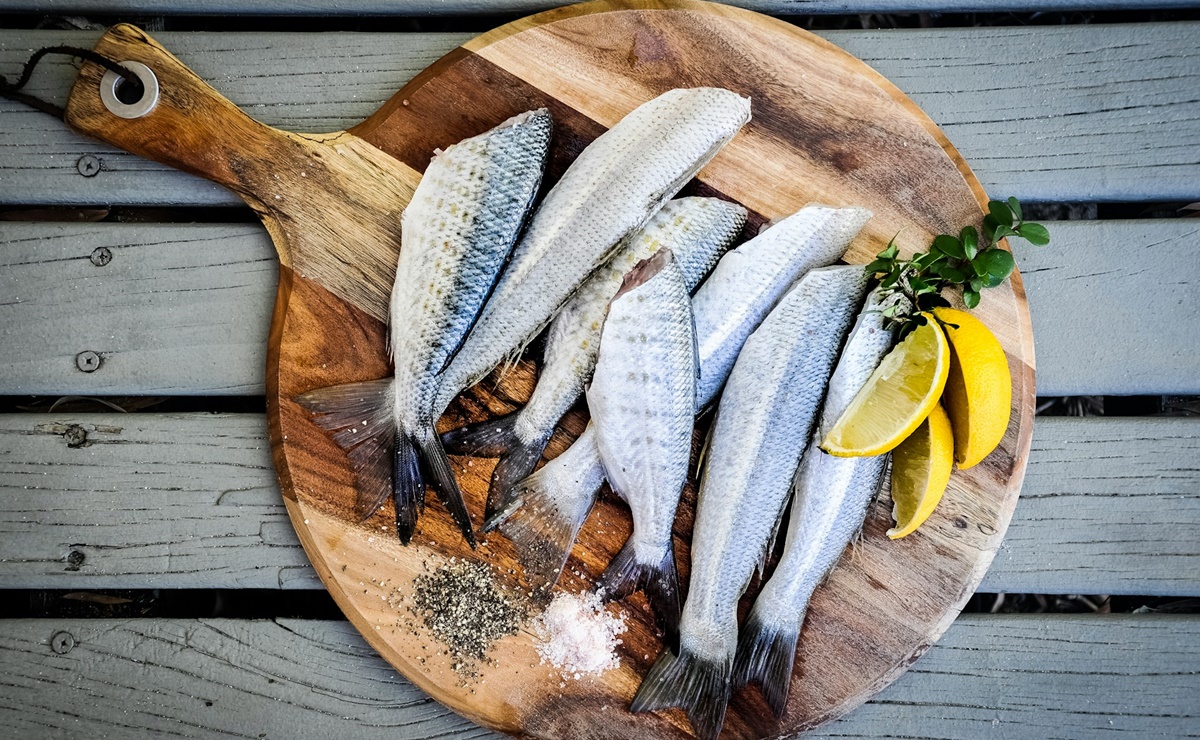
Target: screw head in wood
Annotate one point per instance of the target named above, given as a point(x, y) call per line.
point(89, 166)
point(62, 642)
point(88, 362)
point(101, 256)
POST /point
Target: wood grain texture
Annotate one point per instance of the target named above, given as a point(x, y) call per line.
point(493, 7)
point(1109, 506)
point(1097, 112)
point(1020, 677)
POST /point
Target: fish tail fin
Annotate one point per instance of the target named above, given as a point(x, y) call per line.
point(498, 438)
point(359, 417)
point(408, 487)
point(657, 576)
point(543, 518)
point(765, 656)
point(699, 685)
point(436, 466)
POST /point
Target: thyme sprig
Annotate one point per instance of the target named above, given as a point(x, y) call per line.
point(969, 261)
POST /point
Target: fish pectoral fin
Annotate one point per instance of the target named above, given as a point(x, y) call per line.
point(700, 686)
point(765, 655)
point(440, 476)
point(359, 417)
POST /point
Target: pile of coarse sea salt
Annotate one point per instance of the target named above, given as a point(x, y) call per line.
point(578, 636)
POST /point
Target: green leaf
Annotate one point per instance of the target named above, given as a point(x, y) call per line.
point(997, 262)
point(1035, 234)
point(970, 298)
point(989, 227)
point(890, 251)
point(891, 278)
point(1001, 232)
point(879, 266)
point(947, 244)
point(926, 259)
point(1000, 211)
point(992, 281)
point(1015, 205)
point(953, 274)
point(970, 241)
point(976, 284)
point(979, 266)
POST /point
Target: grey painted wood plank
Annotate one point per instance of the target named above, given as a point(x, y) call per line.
point(1110, 505)
point(1043, 113)
point(1095, 294)
point(494, 7)
point(1009, 676)
point(180, 308)
point(185, 308)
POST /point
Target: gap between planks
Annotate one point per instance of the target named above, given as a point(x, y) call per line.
point(1102, 112)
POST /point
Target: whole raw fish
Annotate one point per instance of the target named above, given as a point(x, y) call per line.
point(697, 231)
point(768, 408)
point(642, 401)
point(607, 194)
point(546, 510)
point(456, 235)
point(831, 496)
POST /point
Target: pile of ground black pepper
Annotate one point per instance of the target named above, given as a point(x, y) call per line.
point(465, 608)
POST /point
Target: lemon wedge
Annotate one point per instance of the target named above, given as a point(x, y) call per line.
point(920, 471)
point(978, 395)
point(896, 398)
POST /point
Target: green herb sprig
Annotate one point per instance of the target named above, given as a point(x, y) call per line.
point(969, 261)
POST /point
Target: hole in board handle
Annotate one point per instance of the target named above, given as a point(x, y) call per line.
point(122, 99)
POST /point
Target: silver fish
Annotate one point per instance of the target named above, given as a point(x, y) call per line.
point(546, 510)
point(697, 231)
point(607, 194)
point(831, 496)
point(456, 235)
point(642, 401)
point(770, 401)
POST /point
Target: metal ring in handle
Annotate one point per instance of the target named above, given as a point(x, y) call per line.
point(143, 106)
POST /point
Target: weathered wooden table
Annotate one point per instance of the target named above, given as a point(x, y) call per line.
point(1111, 505)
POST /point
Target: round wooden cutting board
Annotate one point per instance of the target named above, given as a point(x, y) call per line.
point(826, 128)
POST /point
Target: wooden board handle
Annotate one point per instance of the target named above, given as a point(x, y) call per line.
point(192, 128)
point(332, 202)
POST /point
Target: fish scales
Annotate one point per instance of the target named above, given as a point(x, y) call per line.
point(545, 512)
point(831, 497)
point(697, 231)
point(642, 402)
point(456, 235)
point(608, 193)
point(770, 401)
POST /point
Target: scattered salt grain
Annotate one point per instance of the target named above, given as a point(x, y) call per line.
point(578, 636)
